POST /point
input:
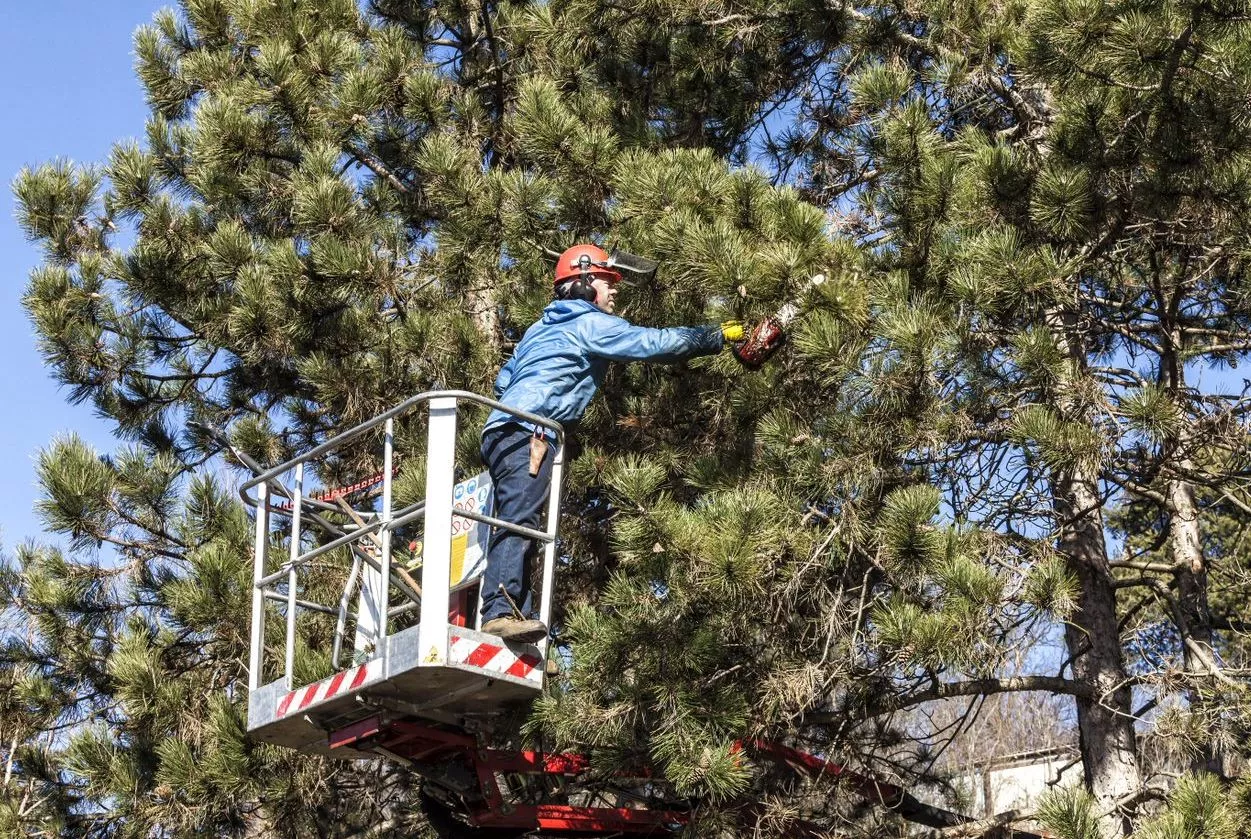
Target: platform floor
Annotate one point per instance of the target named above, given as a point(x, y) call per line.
point(483, 678)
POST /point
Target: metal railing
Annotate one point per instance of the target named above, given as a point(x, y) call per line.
point(369, 535)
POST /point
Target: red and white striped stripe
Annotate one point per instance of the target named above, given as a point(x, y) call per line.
point(297, 700)
point(495, 658)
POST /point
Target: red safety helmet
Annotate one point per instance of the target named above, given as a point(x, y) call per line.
point(585, 262)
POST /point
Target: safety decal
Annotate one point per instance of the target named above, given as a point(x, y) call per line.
point(328, 688)
point(469, 538)
point(495, 658)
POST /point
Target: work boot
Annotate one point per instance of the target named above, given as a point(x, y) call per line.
point(516, 629)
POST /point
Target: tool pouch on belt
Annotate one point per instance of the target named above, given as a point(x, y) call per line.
point(538, 448)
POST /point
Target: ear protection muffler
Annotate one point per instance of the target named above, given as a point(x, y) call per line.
point(578, 289)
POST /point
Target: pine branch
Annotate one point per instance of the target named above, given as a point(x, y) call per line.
point(1026, 113)
point(1242, 506)
point(1157, 567)
point(1139, 489)
point(860, 17)
point(982, 827)
point(1240, 347)
point(378, 168)
point(946, 690)
point(1201, 652)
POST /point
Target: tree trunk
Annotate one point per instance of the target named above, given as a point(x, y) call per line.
point(1190, 578)
point(482, 307)
point(1106, 729)
point(1190, 570)
point(1104, 718)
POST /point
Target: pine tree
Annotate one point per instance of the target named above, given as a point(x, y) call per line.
point(1033, 220)
point(1047, 204)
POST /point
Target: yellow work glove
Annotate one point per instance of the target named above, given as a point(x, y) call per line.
point(733, 331)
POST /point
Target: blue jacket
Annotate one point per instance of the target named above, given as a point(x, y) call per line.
point(563, 357)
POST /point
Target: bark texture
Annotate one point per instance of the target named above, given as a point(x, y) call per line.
point(1106, 727)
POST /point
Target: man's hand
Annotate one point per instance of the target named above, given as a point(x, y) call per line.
point(732, 330)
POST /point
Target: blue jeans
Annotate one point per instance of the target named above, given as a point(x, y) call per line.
point(520, 498)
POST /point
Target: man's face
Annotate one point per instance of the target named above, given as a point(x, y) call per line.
point(605, 291)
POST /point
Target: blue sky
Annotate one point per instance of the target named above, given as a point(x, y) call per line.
point(67, 89)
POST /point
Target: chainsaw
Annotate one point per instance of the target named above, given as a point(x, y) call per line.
point(770, 334)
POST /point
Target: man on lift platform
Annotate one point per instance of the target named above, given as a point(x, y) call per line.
point(554, 372)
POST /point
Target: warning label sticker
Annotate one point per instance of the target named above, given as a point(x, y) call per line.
point(469, 537)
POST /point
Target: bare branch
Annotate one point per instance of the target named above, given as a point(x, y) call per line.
point(379, 168)
point(946, 690)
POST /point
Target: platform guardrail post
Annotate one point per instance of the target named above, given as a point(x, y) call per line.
point(436, 559)
point(371, 603)
point(388, 448)
point(549, 550)
point(292, 608)
point(256, 657)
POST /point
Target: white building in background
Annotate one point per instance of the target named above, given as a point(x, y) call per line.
point(1015, 782)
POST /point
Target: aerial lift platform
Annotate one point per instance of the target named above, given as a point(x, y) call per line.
point(438, 664)
point(417, 682)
